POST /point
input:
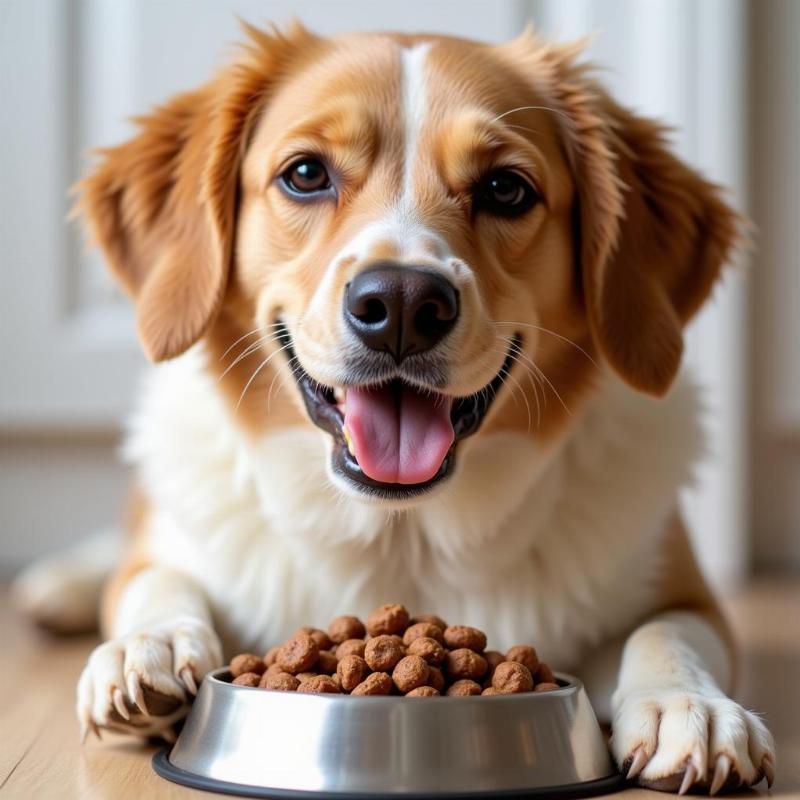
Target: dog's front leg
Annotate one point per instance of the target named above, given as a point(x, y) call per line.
point(162, 643)
point(673, 726)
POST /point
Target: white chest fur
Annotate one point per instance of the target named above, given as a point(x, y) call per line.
point(557, 550)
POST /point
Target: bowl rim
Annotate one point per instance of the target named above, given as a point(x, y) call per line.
point(570, 686)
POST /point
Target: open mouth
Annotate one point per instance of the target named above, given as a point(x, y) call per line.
point(394, 439)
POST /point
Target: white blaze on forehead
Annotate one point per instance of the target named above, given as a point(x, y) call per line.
point(412, 61)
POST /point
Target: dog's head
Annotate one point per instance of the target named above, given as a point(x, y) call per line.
point(419, 237)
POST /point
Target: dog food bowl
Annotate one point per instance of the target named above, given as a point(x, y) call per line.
point(261, 743)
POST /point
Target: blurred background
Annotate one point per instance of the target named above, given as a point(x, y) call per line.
point(724, 73)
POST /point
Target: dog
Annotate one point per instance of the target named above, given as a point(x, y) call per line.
point(417, 305)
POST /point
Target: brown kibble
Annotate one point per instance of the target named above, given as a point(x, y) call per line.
point(490, 690)
point(279, 681)
point(464, 688)
point(436, 678)
point(326, 663)
point(423, 629)
point(423, 691)
point(274, 669)
point(351, 671)
point(271, 655)
point(388, 619)
point(544, 674)
point(247, 679)
point(431, 618)
point(427, 648)
point(378, 683)
point(383, 652)
point(511, 677)
point(524, 654)
point(320, 637)
point(351, 647)
point(410, 673)
point(320, 684)
point(247, 662)
point(459, 636)
point(298, 654)
point(302, 676)
point(545, 687)
point(493, 658)
point(465, 663)
point(343, 628)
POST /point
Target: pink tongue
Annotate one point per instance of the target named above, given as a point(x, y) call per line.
point(399, 435)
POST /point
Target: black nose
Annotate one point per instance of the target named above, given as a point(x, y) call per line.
point(400, 310)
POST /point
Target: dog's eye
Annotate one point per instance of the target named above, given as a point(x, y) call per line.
point(505, 193)
point(306, 176)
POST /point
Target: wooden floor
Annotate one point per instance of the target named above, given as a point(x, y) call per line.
point(40, 756)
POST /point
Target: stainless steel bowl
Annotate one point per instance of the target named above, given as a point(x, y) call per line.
point(280, 744)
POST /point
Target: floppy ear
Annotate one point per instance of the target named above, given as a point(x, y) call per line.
point(162, 205)
point(654, 234)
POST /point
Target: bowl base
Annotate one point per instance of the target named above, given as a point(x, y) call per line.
point(163, 766)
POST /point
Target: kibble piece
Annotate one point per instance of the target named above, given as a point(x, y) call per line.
point(351, 670)
point(545, 687)
point(383, 652)
point(388, 619)
point(326, 663)
point(465, 663)
point(271, 655)
point(490, 690)
point(321, 684)
point(544, 674)
point(511, 677)
point(410, 673)
point(427, 648)
point(375, 684)
point(423, 691)
point(460, 636)
point(298, 654)
point(343, 628)
point(493, 658)
point(279, 681)
point(249, 679)
point(302, 676)
point(524, 654)
point(274, 669)
point(431, 618)
point(436, 678)
point(247, 662)
point(351, 647)
point(423, 629)
point(464, 688)
point(320, 637)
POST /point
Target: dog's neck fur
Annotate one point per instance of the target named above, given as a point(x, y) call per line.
point(260, 526)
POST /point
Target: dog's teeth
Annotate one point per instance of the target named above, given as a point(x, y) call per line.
point(349, 441)
point(339, 394)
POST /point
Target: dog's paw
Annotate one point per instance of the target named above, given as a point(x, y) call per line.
point(144, 682)
point(674, 740)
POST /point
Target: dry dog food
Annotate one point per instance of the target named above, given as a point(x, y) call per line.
point(393, 653)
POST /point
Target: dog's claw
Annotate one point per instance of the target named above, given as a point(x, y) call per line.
point(721, 771)
point(136, 694)
point(689, 779)
point(638, 764)
point(768, 768)
point(119, 704)
point(95, 730)
point(187, 676)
